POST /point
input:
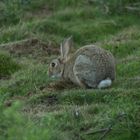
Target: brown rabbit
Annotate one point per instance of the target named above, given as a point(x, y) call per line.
point(89, 67)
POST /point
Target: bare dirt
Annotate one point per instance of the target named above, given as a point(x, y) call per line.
point(58, 86)
point(31, 46)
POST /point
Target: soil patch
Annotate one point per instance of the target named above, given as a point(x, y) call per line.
point(32, 46)
point(58, 86)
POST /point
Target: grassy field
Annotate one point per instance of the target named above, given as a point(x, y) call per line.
point(35, 107)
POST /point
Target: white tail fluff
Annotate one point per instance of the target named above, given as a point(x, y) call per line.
point(105, 83)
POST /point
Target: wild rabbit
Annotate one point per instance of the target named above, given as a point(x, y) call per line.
point(89, 67)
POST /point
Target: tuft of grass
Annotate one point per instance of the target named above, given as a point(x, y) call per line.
point(128, 69)
point(28, 80)
point(7, 65)
point(11, 34)
point(61, 4)
point(13, 11)
point(125, 43)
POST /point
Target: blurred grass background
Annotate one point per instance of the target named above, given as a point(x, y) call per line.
point(29, 109)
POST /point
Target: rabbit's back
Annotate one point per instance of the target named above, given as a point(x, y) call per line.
point(90, 65)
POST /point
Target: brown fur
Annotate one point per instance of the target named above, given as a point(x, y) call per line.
point(101, 62)
point(87, 67)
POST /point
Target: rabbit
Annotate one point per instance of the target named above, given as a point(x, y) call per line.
point(89, 67)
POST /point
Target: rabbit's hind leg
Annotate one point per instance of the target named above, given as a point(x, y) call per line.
point(84, 82)
point(105, 83)
point(84, 73)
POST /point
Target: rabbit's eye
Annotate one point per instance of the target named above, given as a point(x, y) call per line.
point(53, 64)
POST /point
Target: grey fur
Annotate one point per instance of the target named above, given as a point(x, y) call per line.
point(88, 66)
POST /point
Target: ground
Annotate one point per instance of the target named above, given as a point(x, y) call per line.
point(33, 106)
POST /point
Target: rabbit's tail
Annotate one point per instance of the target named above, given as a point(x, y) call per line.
point(105, 83)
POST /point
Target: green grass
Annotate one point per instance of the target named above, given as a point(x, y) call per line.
point(7, 65)
point(31, 108)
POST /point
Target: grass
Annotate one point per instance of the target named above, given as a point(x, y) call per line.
point(63, 111)
point(7, 65)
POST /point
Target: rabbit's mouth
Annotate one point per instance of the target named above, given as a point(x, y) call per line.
point(56, 76)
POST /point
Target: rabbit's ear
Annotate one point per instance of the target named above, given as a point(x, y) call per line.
point(65, 48)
